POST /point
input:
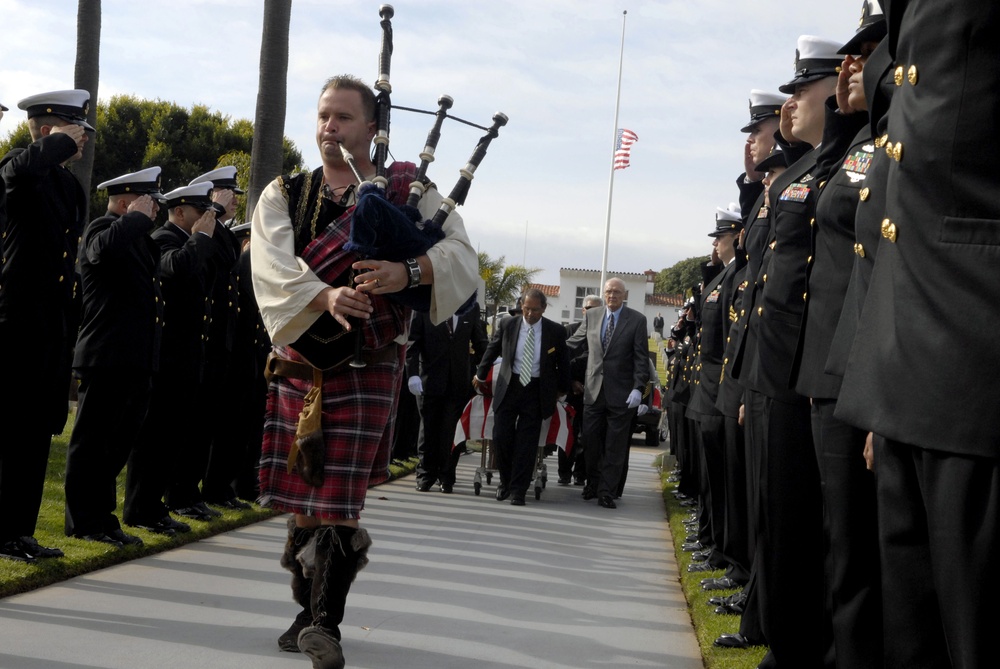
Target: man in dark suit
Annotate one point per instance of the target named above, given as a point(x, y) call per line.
point(575, 466)
point(437, 367)
point(117, 353)
point(534, 371)
point(617, 347)
point(45, 214)
point(163, 448)
point(923, 371)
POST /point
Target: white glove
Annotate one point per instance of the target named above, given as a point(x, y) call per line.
point(643, 409)
point(415, 386)
point(634, 398)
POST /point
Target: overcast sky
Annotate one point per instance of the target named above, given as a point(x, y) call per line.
point(540, 197)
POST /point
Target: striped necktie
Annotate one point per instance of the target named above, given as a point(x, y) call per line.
point(527, 357)
point(608, 332)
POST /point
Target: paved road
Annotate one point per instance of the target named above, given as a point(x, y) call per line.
point(455, 582)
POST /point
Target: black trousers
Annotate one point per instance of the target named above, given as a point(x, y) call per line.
point(713, 494)
point(608, 433)
point(439, 414)
point(234, 421)
point(939, 533)
point(790, 549)
point(735, 541)
point(404, 438)
point(111, 408)
point(851, 520)
point(517, 424)
point(751, 623)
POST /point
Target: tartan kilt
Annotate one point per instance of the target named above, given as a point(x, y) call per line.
point(359, 415)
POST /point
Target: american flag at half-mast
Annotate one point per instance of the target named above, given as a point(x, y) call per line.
point(623, 146)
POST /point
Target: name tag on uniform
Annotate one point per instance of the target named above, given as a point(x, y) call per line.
point(795, 193)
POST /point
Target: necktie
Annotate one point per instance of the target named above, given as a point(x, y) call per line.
point(527, 357)
point(608, 331)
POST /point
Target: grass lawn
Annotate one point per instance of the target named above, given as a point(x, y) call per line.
point(85, 556)
point(708, 625)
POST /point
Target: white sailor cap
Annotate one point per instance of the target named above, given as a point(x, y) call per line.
point(2, 107)
point(763, 105)
point(871, 28)
point(223, 177)
point(198, 196)
point(727, 220)
point(241, 231)
point(143, 182)
point(72, 106)
point(815, 58)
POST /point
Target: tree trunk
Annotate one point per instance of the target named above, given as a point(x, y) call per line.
point(86, 76)
point(269, 123)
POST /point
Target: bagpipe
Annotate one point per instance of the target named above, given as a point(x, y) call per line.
point(383, 230)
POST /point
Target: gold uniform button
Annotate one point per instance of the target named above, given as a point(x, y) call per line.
point(65, 254)
point(805, 296)
point(61, 279)
point(760, 311)
point(897, 152)
point(743, 312)
point(897, 76)
point(881, 141)
point(821, 184)
point(863, 194)
point(765, 278)
point(889, 230)
point(809, 260)
point(911, 75)
point(888, 149)
point(860, 250)
point(773, 244)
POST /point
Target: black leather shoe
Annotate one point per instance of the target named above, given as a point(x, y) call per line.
point(579, 482)
point(735, 598)
point(700, 566)
point(517, 500)
point(165, 525)
point(32, 547)
point(701, 556)
point(563, 480)
point(125, 539)
point(607, 502)
point(194, 513)
point(729, 610)
point(204, 508)
point(447, 488)
point(502, 492)
point(689, 503)
point(13, 550)
point(103, 538)
point(232, 504)
point(423, 487)
point(588, 493)
point(736, 640)
point(721, 583)
point(692, 547)
point(691, 538)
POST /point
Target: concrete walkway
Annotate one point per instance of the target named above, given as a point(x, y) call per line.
point(455, 582)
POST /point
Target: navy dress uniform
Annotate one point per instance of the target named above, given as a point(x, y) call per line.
point(217, 456)
point(165, 443)
point(924, 384)
point(46, 210)
point(117, 353)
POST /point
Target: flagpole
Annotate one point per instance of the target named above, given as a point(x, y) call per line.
point(614, 137)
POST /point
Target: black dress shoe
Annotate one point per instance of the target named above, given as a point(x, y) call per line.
point(729, 609)
point(103, 538)
point(689, 503)
point(31, 546)
point(563, 480)
point(502, 492)
point(194, 513)
point(13, 550)
point(125, 539)
point(692, 547)
point(691, 538)
point(735, 598)
point(721, 583)
point(701, 556)
point(579, 482)
point(736, 640)
point(232, 504)
point(588, 493)
point(607, 502)
point(447, 488)
point(517, 500)
point(165, 525)
point(423, 486)
point(700, 566)
point(206, 509)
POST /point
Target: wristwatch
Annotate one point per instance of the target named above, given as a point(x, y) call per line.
point(413, 267)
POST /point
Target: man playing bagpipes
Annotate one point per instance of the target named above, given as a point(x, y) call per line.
point(304, 273)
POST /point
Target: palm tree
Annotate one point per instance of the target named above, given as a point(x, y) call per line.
point(503, 284)
point(86, 76)
point(269, 124)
